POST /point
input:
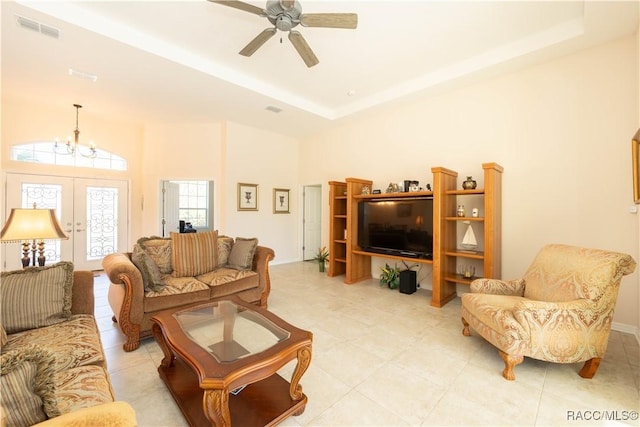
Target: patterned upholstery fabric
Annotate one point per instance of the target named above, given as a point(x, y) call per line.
point(177, 285)
point(151, 275)
point(193, 253)
point(36, 296)
point(27, 386)
point(220, 276)
point(242, 252)
point(82, 387)
point(224, 249)
point(159, 249)
point(75, 342)
point(566, 312)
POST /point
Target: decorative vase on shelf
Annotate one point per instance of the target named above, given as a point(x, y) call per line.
point(469, 184)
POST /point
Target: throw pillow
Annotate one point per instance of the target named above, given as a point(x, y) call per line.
point(241, 256)
point(193, 254)
point(27, 389)
point(159, 249)
point(224, 249)
point(151, 276)
point(36, 296)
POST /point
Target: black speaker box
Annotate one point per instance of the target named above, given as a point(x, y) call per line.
point(407, 281)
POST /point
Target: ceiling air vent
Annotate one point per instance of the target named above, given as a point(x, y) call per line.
point(32, 25)
point(274, 109)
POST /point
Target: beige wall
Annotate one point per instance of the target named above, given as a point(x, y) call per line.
point(271, 161)
point(561, 130)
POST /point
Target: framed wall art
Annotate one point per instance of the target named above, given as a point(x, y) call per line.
point(247, 197)
point(635, 155)
point(280, 200)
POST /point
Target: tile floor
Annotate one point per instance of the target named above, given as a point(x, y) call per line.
point(382, 358)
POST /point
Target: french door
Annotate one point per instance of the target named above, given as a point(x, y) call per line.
point(93, 214)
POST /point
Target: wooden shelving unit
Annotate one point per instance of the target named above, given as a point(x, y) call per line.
point(346, 257)
point(337, 228)
point(358, 265)
point(448, 256)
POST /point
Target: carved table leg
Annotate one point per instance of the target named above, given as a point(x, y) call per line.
point(167, 361)
point(510, 361)
point(295, 389)
point(215, 404)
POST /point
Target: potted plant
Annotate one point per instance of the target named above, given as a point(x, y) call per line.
point(390, 276)
point(322, 256)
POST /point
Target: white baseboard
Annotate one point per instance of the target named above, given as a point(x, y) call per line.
point(627, 329)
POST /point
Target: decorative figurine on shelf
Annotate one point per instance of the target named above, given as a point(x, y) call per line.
point(460, 210)
point(366, 190)
point(467, 271)
point(390, 188)
point(469, 184)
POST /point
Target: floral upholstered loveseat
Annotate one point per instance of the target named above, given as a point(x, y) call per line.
point(560, 311)
point(183, 269)
point(53, 366)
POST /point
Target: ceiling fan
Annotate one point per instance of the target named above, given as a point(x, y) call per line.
point(286, 15)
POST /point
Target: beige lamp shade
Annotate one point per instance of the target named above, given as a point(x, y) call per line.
point(31, 224)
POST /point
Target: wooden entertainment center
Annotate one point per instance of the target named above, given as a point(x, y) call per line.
point(346, 257)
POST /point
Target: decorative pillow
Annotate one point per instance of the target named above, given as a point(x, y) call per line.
point(3, 337)
point(27, 389)
point(193, 254)
point(151, 275)
point(36, 296)
point(159, 249)
point(241, 256)
point(224, 249)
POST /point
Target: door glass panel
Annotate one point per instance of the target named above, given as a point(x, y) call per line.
point(102, 222)
point(45, 196)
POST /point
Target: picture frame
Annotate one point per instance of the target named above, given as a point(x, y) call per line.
point(635, 156)
point(281, 201)
point(247, 197)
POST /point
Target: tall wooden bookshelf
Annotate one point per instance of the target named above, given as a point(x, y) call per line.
point(449, 254)
point(337, 228)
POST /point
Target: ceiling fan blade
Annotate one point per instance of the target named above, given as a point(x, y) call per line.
point(303, 48)
point(242, 6)
point(257, 42)
point(330, 20)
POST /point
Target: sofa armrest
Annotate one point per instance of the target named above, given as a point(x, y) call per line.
point(261, 259)
point(82, 296)
point(126, 295)
point(113, 414)
point(498, 287)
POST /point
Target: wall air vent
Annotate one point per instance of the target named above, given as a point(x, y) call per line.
point(32, 25)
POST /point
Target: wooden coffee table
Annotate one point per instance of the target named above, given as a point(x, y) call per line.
point(220, 363)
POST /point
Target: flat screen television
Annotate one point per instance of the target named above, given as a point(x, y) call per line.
point(397, 226)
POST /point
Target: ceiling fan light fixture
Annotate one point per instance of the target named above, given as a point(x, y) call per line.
point(285, 15)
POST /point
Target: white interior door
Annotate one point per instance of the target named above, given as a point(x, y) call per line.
point(93, 214)
point(170, 220)
point(312, 234)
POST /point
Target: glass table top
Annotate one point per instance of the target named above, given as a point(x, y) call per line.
point(229, 331)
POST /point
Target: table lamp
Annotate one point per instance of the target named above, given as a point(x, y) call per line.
point(29, 225)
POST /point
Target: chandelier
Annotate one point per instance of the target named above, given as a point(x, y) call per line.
point(73, 147)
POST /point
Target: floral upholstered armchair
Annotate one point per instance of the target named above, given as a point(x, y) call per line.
point(560, 311)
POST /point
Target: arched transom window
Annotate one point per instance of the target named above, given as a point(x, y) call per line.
point(44, 152)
